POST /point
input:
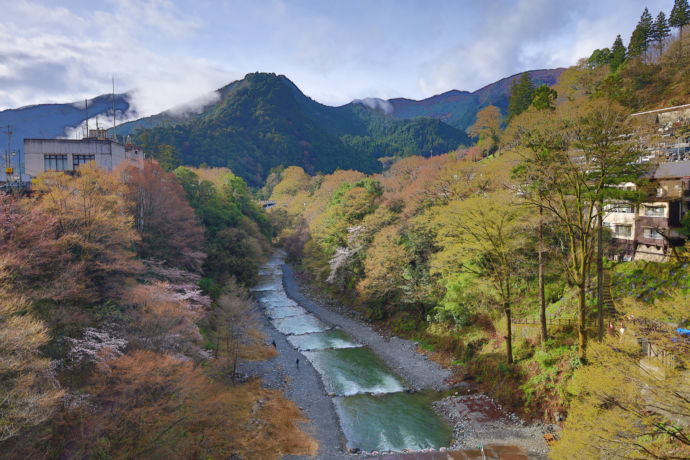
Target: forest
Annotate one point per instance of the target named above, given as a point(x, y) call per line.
point(495, 258)
point(264, 121)
point(123, 313)
point(124, 296)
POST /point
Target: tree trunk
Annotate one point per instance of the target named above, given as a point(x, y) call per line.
point(542, 295)
point(582, 322)
point(600, 272)
point(509, 334)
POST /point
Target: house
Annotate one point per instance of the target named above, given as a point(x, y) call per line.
point(68, 154)
point(649, 230)
point(658, 220)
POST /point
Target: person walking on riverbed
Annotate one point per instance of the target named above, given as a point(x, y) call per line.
point(297, 363)
point(274, 344)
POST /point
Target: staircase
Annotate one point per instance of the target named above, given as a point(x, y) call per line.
point(609, 307)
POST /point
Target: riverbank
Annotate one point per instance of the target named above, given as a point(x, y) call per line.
point(401, 355)
point(475, 419)
point(304, 384)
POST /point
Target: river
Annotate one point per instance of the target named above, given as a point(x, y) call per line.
point(375, 408)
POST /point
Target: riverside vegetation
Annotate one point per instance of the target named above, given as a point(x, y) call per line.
point(113, 345)
point(123, 301)
point(450, 250)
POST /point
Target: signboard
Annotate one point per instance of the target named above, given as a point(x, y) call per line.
point(9, 170)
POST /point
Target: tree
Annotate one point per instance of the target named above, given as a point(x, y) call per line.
point(521, 94)
point(599, 57)
point(679, 18)
point(151, 405)
point(541, 137)
point(166, 223)
point(642, 35)
point(660, 31)
point(484, 236)
point(29, 392)
point(487, 129)
point(93, 226)
point(627, 406)
point(618, 53)
point(544, 98)
point(168, 156)
point(571, 173)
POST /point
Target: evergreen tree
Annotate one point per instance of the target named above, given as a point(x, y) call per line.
point(618, 53)
point(544, 98)
point(661, 31)
point(599, 57)
point(642, 35)
point(521, 94)
point(680, 16)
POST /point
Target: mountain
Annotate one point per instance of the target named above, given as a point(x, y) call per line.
point(264, 121)
point(459, 108)
point(54, 120)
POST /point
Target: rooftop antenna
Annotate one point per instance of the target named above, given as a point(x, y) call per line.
point(114, 125)
point(86, 104)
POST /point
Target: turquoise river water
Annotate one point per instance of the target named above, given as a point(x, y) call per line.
point(374, 410)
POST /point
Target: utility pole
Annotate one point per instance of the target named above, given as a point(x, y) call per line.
point(114, 134)
point(8, 161)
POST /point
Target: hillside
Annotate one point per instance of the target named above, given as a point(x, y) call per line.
point(459, 108)
point(264, 121)
point(53, 120)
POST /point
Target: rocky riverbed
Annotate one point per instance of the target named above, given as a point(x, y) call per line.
point(475, 419)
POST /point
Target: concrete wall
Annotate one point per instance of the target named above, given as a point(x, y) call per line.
point(108, 154)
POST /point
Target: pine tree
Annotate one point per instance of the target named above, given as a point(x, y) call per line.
point(660, 31)
point(642, 35)
point(680, 16)
point(521, 94)
point(618, 53)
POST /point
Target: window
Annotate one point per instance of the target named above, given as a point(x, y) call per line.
point(620, 207)
point(650, 232)
point(78, 160)
point(623, 231)
point(55, 162)
point(654, 211)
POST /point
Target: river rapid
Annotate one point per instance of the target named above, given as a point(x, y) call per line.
point(375, 408)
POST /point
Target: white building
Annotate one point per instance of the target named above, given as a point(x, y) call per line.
point(67, 154)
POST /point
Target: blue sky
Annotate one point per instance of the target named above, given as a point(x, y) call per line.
point(173, 51)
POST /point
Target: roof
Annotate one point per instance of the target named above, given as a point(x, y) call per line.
point(665, 109)
point(672, 169)
point(74, 141)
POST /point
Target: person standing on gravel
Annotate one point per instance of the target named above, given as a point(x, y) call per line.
point(297, 363)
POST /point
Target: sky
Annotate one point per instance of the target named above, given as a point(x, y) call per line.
point(170, 52)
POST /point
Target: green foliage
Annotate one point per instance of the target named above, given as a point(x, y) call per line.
point(264, 121)
point(465, 295)
point(544, 98)
point(642, 35)
point(521, 94)
point(680, 14)
point(236, 228)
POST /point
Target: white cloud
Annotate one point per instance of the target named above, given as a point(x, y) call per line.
point(375, 103)
point(57, 55)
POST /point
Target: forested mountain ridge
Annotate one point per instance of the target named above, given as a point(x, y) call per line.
point(264, 121)
point(459, 108)
point(53, 120)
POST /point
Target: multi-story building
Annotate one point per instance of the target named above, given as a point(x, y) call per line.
point(650, 230)
point(67, 154)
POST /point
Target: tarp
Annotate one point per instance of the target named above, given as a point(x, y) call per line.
point(683, 332)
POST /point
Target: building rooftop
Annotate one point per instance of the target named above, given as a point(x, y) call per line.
point(672, 170)
point(78, 141)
